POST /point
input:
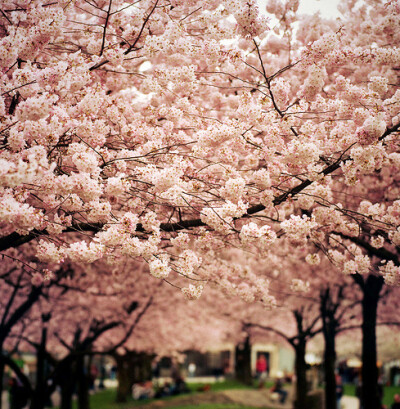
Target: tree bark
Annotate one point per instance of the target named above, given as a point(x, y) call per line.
point(82, 383)
point(20, 311)
point(67, 384)
point(131, 368)
point(329, 327)
point(39, 394)
point(301, 374)
point(2, 372)
point(124, 383)
point(329, 370)
point(369, 392)
point(243, 363)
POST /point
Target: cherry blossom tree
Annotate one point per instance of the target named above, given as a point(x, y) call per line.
point(104, 310)
point(315, 302)
point(156, 129)
point(23, 285)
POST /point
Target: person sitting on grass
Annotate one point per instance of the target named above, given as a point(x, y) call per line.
point(143, 390)
point(278, 388)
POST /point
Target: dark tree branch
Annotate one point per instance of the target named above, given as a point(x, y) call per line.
point(19, 312)
point(105, 29)
point(290, 340)
point(131, 327)
point(17, 370)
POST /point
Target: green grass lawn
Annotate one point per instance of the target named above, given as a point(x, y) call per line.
point(388, 393)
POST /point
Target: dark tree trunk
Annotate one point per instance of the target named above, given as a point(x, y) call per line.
point(39, 394)
point(329, 327)
point(66, 396)
point(369, 392)
point(131, 368)
point(124, 373)
point(243, 363)
point(82, 383)
point(2, 372)
point(8, 322)
point(301, 374)
point(67, 384)
point(329, 369)
point(144, 365)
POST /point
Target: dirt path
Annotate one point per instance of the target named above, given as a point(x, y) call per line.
point(255, 398)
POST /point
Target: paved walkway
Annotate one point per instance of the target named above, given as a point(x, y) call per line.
point(255, 398)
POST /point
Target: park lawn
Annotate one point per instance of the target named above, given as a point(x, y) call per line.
point(388, 393)
point(105, 399)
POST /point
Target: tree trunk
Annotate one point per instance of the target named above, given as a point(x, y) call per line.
point(124, 384)
point(131, 368)
point(67, 384)
point(243, 363)
point(301, 374)
point(66, 397)
point(329, 326)
point(369, 392)
point(40, 393)
point(144, 363)
point(329, 369)
point(82, 383)
point(2, 372)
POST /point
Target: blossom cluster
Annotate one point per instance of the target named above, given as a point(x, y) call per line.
point(169, 115)
point(298, 228)
point(263, 236)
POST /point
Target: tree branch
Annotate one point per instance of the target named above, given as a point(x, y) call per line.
point(14, 239)
point(275, 331)
point(17, 370)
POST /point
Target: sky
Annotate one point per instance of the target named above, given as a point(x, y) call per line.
point(327, 8)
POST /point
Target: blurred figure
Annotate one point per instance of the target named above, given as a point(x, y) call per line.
point(381, 383)
point(339, 390)
point(278, 388)
point(18, 394)
point(178, 383)
point(261, 370)
point(192, 369)
point(155, 368)
point(396, 402)
point(227, 367)
point(359, 390)
point(93, 376)
point(143, 390)
point(261, 366)
point(102, 376)
point(113, 372)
